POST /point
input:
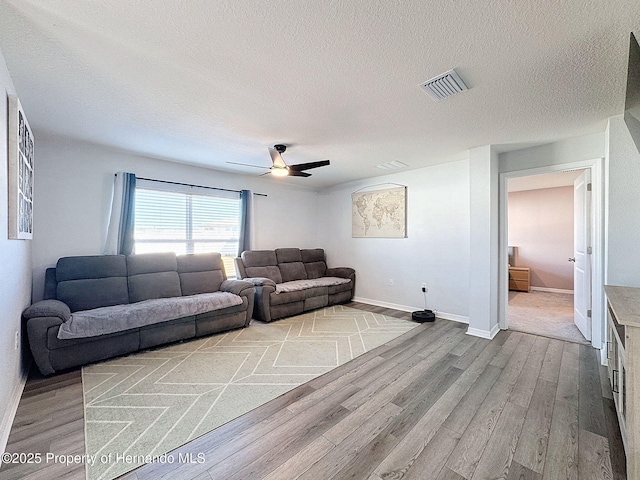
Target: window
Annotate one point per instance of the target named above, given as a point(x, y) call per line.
point(184, 219)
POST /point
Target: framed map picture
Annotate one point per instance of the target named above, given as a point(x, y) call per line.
point(379, 213)
point(20, 172)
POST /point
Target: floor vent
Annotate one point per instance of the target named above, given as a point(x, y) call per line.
point(445, 85)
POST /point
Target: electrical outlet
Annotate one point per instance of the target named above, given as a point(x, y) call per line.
point(391, 282)
point(17, 340)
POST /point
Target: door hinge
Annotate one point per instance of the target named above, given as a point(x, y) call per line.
point(588, 187)
point(589, 313)
point(588, 250)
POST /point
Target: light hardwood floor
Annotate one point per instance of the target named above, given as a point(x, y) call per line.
point(432, 404)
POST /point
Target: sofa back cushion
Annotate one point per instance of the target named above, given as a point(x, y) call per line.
point(261, 263)
point(87, 282)
point(314, 262)
point(292, 271)
point(290, 264)
point(200, 273)
point(288, 255)
point(153, 275)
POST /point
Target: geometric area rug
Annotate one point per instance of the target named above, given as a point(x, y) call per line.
point(139, 407)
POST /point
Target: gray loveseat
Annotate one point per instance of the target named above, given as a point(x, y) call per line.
point(97, 307)
point(289, 281)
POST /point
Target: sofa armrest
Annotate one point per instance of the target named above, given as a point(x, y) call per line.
point(260, 281)
point(262, 303)
point(48, 308)
point(38, 331)
point(236, 286)
point(341, 272)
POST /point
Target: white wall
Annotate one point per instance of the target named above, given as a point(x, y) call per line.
point(541, 227)
point(436, 250)
point(484, 261)
point(624, 207)
point(571, 150)
point(74, 182)
point(15, 282)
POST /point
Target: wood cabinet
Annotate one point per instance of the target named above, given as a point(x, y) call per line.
point(520, 279)
point(623, 354)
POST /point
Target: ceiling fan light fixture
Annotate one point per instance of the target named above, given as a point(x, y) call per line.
point(279, 171)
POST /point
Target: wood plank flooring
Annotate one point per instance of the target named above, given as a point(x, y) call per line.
point(432, 404)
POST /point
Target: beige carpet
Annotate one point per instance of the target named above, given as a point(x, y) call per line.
point(548, 314)
point(147, 404)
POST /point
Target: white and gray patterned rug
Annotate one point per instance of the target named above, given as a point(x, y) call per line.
point(147, 404)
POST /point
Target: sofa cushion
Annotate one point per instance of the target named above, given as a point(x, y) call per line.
point(153, 275)
point(117, 318)
point(315, 269)
point(298, 285)
point(199, 262)
point(314, 263)
point(288, 297)
point(93, 292)
point(200, 282)
point(343, 287)
point(86, 282)
point(271, 272)
point(292, 271)
point(312, 255)
point(200, 273)
point(259, 258)
point(91, 266)
point(287, 255)
point(151, 263)
point(147, 286)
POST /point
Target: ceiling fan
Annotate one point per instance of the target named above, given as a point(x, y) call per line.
point(281, 169)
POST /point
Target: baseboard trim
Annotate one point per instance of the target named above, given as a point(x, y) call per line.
point(406, 308)
point(10, 413)
point(453, 317)
point(604, 361)
point(488, 334)
point(551, 290)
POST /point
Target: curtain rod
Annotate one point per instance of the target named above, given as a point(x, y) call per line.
point(199, 186)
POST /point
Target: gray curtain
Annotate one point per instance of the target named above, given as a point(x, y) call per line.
point(245, 221)
point(121, 221)
point(127, 220)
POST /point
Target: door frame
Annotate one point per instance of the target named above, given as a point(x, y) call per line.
point(597, 167)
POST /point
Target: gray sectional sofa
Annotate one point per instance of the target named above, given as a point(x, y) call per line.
point(97, 307)
point(289, 281)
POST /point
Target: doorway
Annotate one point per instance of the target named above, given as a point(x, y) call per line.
point(595, 243)
point(541, 237)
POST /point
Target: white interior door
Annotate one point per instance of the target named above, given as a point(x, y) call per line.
point(582, 253)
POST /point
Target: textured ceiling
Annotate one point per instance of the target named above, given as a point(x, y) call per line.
point(205, 82)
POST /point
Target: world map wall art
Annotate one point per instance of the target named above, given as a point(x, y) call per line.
point(380, 213)
point(20, 172)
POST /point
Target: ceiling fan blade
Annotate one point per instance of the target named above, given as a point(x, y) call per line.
point(296, 173)
point(308, 166)
point(248, 165)
point(276, 158)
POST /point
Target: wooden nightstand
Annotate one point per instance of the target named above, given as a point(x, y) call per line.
point(520, 279)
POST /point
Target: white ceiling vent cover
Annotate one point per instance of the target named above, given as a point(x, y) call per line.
point(445, 85)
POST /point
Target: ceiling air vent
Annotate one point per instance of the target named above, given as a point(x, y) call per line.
point(445, 85)
point(392, 165)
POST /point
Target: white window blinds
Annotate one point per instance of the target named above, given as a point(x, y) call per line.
point(185, 219)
